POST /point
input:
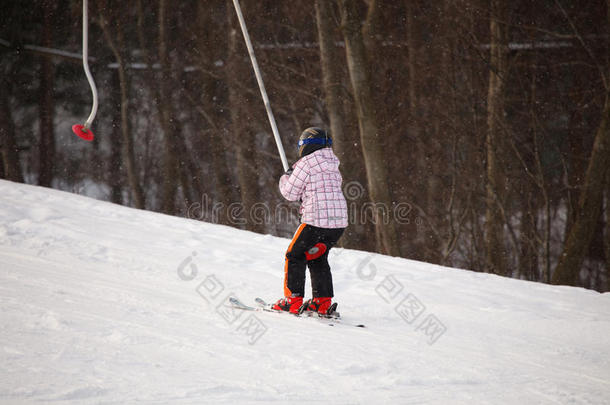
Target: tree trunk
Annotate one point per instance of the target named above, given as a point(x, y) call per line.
point(170, 156)
point(128, 146)
point(607, 231)
point(372, 27)
point(213, 97)
point(589, 206)
point(224, 189)
point(416, 237)
point(8, 144)
point(331, 79)
point(529, 198)
point(591, 195)
point(494, 238)
point(412, 66)
point(46, 102)
point(115, 170)
point(576, 160)
point(528, 258)
point(240, 131)
point(374, 158)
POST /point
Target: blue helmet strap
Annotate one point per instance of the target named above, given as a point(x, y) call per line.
point(320, 141)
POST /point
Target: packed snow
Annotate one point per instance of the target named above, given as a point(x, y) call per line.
point(106, 304)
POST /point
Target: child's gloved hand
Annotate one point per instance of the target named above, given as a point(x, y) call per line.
point(289, 171)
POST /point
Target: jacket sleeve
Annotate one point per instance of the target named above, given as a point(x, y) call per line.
point(292, 186)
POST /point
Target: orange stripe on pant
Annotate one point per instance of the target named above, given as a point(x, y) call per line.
point(287, 292)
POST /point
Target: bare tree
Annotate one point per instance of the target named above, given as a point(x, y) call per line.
point(343, 144)
point(46, 101)
point(117, 44)
point(115, 179)
point(374, 158)
point(607, 231)
point(589, 206)
point(8, 144)
point(495, 192)
point(241, 130)
point(590, 202)
point(171, 171)
point(211, 104)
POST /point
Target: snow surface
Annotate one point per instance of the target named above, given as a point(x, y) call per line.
point(106, 304)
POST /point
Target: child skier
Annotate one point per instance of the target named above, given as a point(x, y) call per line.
point(315, 180)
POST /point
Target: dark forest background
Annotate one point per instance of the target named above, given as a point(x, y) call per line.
point(472, 133)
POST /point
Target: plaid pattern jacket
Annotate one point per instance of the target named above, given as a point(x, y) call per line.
point(316, 181)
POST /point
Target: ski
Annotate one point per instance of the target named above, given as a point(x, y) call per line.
point(263, 306)
point(266, 306)
point(235, 303)
point(332, 319)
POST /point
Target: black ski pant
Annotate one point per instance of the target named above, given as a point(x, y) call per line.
point(309, 248)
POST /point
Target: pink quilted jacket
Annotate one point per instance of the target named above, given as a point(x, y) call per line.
point(316, 181)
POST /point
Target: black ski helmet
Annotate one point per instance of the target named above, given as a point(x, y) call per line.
point(312, 139)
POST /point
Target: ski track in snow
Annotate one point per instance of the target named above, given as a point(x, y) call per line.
point(100, 305)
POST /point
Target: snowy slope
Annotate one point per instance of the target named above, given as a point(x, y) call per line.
point(101, 304)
